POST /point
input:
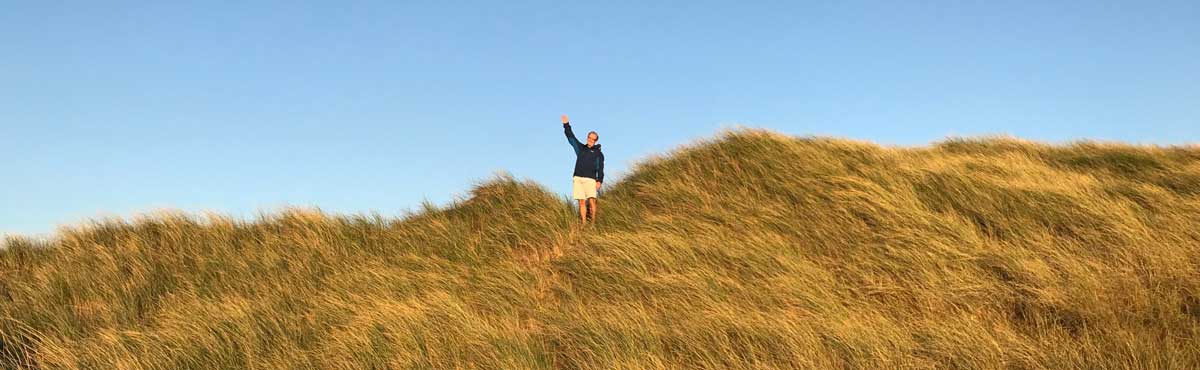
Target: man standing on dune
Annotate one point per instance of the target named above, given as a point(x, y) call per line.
point(589, 171)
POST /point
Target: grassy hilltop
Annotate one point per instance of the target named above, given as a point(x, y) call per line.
point(750, 251)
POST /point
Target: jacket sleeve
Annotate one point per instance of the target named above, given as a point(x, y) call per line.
point(571, 137)
point(600, 168)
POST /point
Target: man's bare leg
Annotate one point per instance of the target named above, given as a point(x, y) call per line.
point(582, 211)
point(593, 203)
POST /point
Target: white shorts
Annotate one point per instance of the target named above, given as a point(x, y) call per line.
point(583, 188)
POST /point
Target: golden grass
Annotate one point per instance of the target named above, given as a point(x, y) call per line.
point(749, 251)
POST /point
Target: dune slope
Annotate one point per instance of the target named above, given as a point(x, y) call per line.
point(752, 250)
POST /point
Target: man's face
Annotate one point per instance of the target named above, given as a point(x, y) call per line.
point(592, 139)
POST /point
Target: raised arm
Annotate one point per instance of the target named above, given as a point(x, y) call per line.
point(570, 135)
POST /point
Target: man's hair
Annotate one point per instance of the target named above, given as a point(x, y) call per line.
point(594, 133)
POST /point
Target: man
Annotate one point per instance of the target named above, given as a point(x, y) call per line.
point(589, 171)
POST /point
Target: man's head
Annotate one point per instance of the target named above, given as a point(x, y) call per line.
point(592, 138)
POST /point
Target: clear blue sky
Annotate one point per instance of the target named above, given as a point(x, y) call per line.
point(117, 108)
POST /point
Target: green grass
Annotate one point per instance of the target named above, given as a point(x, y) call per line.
point(752, 250)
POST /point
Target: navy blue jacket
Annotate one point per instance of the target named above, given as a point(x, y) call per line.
point(589, 162)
